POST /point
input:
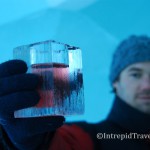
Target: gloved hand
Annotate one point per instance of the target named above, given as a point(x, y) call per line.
point(18, 91)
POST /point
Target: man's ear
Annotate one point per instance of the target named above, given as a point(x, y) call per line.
point(116, 83)
point(115, 86)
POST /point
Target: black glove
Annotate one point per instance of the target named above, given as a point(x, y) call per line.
point(18, 91)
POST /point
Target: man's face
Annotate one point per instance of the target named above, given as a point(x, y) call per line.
point(133, 86)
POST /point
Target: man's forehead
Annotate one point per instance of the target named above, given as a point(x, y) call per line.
point(141, 66)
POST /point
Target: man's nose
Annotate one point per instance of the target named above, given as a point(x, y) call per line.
point(146, 83)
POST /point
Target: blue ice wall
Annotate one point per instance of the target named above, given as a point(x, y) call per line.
point(96, 28)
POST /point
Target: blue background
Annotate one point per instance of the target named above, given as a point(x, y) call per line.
point(97, 26)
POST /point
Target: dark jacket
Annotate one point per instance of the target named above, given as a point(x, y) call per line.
point(123, 120)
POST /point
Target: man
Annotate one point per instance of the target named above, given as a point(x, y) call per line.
point(126, 127)
point(130, 114)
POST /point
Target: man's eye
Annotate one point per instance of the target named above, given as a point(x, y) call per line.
point(136, 75)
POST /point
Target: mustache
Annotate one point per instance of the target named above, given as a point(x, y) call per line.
point(144, 93)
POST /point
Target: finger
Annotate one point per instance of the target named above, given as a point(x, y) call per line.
point(16, 101)
point(22, 82)
point(37, 125)
point(12, 67)
point(29, 127)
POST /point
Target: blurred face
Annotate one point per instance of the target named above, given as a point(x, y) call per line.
point(133, 86)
